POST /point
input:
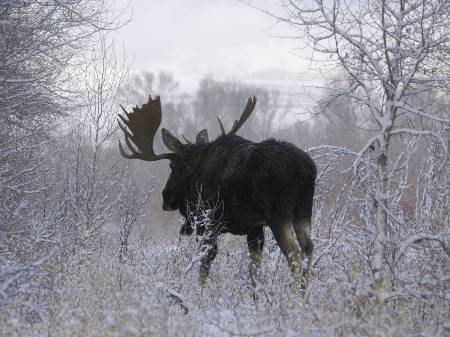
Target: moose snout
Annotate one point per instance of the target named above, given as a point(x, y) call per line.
point(169, 201)
point(166, 207)
point(170, 205)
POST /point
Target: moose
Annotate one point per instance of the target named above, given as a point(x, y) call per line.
point(251, 185)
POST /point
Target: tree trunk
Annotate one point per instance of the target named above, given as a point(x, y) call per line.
point(379, 254)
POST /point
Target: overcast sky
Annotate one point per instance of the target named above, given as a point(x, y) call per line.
point(222, 38)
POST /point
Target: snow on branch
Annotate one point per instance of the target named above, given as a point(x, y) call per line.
point(420, 112)
point(420, 237)
point(419, 133)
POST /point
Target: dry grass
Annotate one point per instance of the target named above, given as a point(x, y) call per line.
point(95, 295)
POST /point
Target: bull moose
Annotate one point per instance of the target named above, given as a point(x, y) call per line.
point(253, 185)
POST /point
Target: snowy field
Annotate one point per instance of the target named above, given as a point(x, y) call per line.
point(155, 293)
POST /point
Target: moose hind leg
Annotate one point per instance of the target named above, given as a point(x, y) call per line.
point(282, 231)
point(255, 242)
point(208, 249)
point(302, 228)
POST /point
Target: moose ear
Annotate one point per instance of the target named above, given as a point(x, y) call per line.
point(171, 142)
point(202, 137)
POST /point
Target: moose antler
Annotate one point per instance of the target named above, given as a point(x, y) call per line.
point(143, 123)
point(244, 116)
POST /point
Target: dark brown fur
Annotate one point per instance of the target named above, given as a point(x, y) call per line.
point(251, 185)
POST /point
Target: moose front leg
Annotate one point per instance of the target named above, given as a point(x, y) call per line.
point(208, 249)
point(255, 242)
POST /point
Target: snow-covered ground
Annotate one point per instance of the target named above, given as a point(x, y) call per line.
point(153, 294)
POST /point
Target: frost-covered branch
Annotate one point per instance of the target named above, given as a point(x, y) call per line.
point(421, 237)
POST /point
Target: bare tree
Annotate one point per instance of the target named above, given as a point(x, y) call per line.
point(96, 177)
point(138, 86)
point(130, 210)
point(224, 98)
point(391, 51)
point(40, 46)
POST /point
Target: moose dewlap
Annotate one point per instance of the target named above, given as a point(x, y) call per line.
point(244, 185)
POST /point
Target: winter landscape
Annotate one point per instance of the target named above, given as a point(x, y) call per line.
point(363, 87)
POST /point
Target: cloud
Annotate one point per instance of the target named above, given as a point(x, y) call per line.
point(222, 38)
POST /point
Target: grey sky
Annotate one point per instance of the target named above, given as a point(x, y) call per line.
point(223, 38)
